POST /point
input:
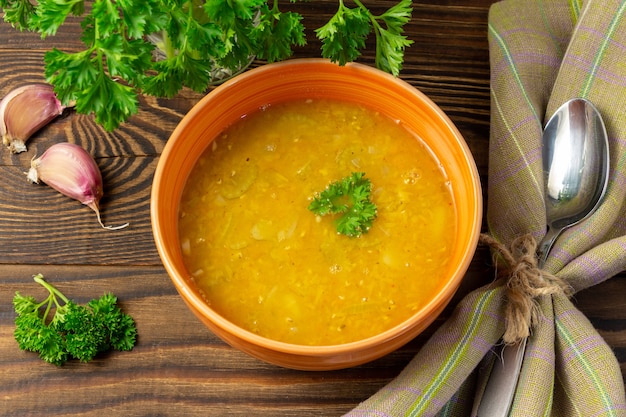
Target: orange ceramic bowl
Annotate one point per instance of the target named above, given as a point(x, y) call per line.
point(314, 78)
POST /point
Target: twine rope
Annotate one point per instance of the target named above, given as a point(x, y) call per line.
point(525, 282)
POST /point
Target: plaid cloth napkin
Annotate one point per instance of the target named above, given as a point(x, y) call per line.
point(542, 53)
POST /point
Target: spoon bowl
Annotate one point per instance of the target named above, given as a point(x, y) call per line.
point(575, 167)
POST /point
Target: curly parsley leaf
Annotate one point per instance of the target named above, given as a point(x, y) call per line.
point(390, 51)
point(236, 19)
point(120, 329)
point(276, 32)
point(97, 99)
point(33, 335)
point(390, 43)
point(74, 331)
point(69, 72)
point(397, 16)
point(349, 197)
point(51, 14)
point(18, 13)
point(345, 34)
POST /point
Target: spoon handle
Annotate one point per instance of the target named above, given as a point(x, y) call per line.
point(546, 244)
point(497, 398)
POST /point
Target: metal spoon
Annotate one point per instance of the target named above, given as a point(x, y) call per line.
point(575, 167)
point(575, 170)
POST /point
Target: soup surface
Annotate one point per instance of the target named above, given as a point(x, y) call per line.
point(268, 264)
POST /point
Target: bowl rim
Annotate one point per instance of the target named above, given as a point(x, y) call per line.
point(200, 306)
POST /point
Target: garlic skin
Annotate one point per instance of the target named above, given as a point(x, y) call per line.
point(71, 170)
point(24, 111)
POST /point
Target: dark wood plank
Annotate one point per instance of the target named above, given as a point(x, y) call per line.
point(40, 225)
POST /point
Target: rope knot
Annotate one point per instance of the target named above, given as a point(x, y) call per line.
point(525, 282)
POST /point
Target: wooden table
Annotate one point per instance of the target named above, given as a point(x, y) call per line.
point(178, 366)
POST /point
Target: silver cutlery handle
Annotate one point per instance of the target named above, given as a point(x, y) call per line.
point(497, 397)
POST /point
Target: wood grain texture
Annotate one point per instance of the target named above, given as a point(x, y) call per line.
point(178, 366)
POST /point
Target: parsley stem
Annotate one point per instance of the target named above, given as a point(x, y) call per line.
point(167, 45)
point(39, 279)
point(48, 300)
point(375, 25)
point(51, 299)
point(358, 3)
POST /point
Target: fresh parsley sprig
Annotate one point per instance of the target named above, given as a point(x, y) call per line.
point(158, 47)
point(345, 34)
point(349, 197)
point(73, 331)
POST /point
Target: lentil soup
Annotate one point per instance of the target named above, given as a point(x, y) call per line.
point(263, 261)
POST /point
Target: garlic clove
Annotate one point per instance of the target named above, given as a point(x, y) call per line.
point(71, 170)
point(24, 111)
